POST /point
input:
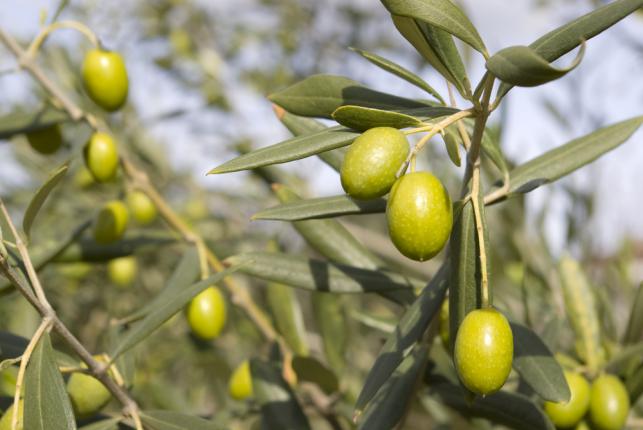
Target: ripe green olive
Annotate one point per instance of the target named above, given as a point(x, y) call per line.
point(101, 156)
point(609, 403)
point(122, 271)
point(569, 414)
point(105, 78)
point(372, 161)
point(5, 422)
point(419, 215)
point(240, 384)
point(111, 222)
point(141, 207)
point(483, 351)
point(443, 323)
point(45, 140)
point(206, 313)
point(87, 394)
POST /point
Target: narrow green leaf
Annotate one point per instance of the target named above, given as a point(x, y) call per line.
point(287, 313)
point(362, 118)
point(47, 404)
point(279, 406)
point(444, 47)
point(292, 149)
point(567, 158)
point(634, 332)
point(408, 331)
point(165, 310)
point(321, 95)
point(322, 207)
point(391, 402)
point(400, 72)
point(109, 424)
point(537, 366)
point(509, 409)
point(86, 249)
point(524, 67)
point(41, 195)
point(184, 275)
point(316, 275)
point(452, 143)
point(20, 122)
point(328, 311)
point(626, 359)
point(443, 14)
point(311, 370)
point(581, 311)
point(11, 345)
point(634, 385)
point(170, 420)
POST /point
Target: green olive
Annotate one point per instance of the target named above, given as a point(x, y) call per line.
point(570, 413)
point(240, 385)
point(101, 156)
point(122, 271)
point(372, 161)
point(5, 422)
point(45, 140)
point(111, 222)
point(206, 313)
point(443, 323)
point(483, 351)
point(105, 78)
point(141, 207)
point(419, 215)
point(609, 403)
point(74, 270)
point(87, 394)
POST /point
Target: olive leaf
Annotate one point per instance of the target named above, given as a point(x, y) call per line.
point(170, 420)
point(311, 370)
point(24, 122)
point(108, 424)
point(321, 207)
point(287, 314)
point(328, 312)
point(634, 332)
point(362, 118)
point(41, 195)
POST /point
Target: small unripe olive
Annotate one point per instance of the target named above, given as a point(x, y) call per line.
point(105, 78)
point(483, 351)
point(206, 313)
point(45, 140)
point(101, 156)
point(122, 270)
point(372, 161)
point(443, 323)
point(419, 215)
point(111, 222)
point(74, 270)
point(609, 403)
point(87, 394)
point(5, 422)
point(240, 384)
point(141, 207)
point(568, 414)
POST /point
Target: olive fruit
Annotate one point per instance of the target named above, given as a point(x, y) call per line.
point(5, 422)
point(122, 270)
point(87, 394)
point(419, 215)
point(101, 156)
point(443, 323)
point(372, 161)
point(141, 207)
point(609, 403)
point(568, 414)
point(105, 78)
point(45, 140)
point(240, 384)
point(206, 313)
point(483, 351)
point(111, 222)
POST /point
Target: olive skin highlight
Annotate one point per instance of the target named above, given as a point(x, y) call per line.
point(105, 78)
point(568, 414)
point(206, 313)
point(609, 403)
point(101, 157)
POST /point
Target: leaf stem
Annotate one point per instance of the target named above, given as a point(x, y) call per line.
point(45, 32)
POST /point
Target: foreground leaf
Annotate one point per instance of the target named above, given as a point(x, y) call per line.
point(322, 207)
point(109, 424)
point(537, 366)
point(362, 118)
point(287, 313)
point(330, 320)
point(41, 195)
point(170, 420)
point(316, 275)
point(47, 405)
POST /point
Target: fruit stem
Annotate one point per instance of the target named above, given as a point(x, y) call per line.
point(45, 32)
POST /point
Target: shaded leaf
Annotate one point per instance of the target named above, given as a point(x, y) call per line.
point(445, 49)
point(311, 370)
point(634, 332)
point(443, 14)
point(330, 320)
point(452, 143)
point(279, 407)
point(363, 118)
point(322, 207)
point(47, 405)
point(41, 195)
point(286, 311)
point(165, 310)
point(408, 331)
point(537, 366)
point(109, 424)
point(316, 275)
point(400, 72)
point(321, 95)
point(634, 385)
point(627, 358)
point(11, 345)
point(170, 420)
point(523, 66)
point(292, 149)
point(86, 249)
point(20, 122)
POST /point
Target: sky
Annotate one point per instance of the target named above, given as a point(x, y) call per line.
point(606, 88)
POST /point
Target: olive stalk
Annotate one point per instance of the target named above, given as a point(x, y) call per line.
point(46, 31)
